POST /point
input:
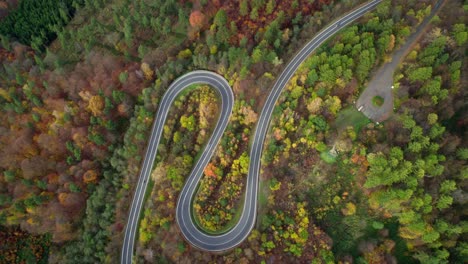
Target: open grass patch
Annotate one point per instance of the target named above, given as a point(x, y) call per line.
point(350, 116)
point(263, 193)
point(328, 157)
point(377, 100)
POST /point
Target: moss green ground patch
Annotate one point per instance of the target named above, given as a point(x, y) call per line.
point(377, 100)
point(327, 157)
point(350, 116)
point(263, 192)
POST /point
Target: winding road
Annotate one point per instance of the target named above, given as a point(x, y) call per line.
point(235, 236)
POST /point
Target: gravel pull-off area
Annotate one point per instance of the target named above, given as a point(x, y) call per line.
point(381, 83)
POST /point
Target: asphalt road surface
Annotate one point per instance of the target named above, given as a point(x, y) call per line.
point(227, 101)
point(235, 236)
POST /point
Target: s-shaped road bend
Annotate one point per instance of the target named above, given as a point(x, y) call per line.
point(235, 236)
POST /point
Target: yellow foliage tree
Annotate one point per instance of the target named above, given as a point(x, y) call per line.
point(147, 71)
point(5, 95)
point(96, 105)
point(315, 105)
point(62, 197)
point(183, 54)
point(350, 209)
point(90, 176)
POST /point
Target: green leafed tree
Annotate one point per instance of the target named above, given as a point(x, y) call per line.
point(220, 19)
point(419, 74)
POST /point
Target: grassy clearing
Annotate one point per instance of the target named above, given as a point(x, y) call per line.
point(148, 192)
point(377, 101)
point(327, 157)
point(263, 192)
point(350, 116)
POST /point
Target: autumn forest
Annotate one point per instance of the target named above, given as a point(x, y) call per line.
point(81, 80)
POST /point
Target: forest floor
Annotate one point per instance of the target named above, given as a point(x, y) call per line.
point(381, 83)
